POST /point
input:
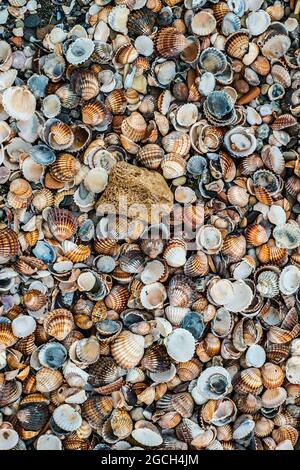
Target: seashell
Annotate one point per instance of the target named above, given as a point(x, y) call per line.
point(289, 280)
point(272, 375)
point(8, 437)
point(196, 265)
point(62, 224)
point(153, 295)
point(256, 235)
point(95, 114)
point(276, 46)
point(66, 418)
point(48, 380)
point(267, 284)
point(128, 349)
point(234, 247)
point(203, 23)
point(169, 42)
point(118, 17)
point(84, 84)
point(230, 23)
point(134, 127)
point(42, 155)
point(9, 244)
point(79, 51)
point(59, 323)
point(209, 239)
point(248, 381)
point(273, 398)
point(181, 345)
point(237, 43)
point(141, 22)
point(64, 168)
point(212, 60)
point(214, 383)
point(285, 434)
point(147, 437)
point(19, 103)
point(23, 326)
point(239, 143)
point(257, 22)
point(292, 369)
point(287, 236)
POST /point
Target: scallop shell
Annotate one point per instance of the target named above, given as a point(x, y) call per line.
point(79, 51)
point(237, 43)
point(67, 418)
point(9, 244)
point(213, 60)
point(48, 380)
point(134, 127)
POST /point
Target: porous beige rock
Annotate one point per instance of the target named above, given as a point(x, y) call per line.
point(136, 192)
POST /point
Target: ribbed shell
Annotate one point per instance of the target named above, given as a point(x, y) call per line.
point(169, 42)
point(34, 299)
point(59, 323)
point(96, 114)
point(85, 84)
point(64, 168)
point(128, 349)
point(150, 156)
point(96, 409)
point(236, 44)
point(9, 244)
point(134, 127)
point(62, 224)
point(141, 22)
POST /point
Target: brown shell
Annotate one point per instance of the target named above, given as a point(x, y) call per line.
point(196, 265)
point(62, 224)
point(261, 65)
point(234, 247)
point(34, 299)
point(7, 338)
point(48, 380)
point(96, 114)
point(134, 127)
point(256, 235)
point(116, 102)
point(96, 409)
point(117, 298)
point(64, 168)
point(236, 45)
point(9, 244)
point(169, 42)
point(59, 323)
point(28, 265)
point(150, 156)
point(85, 84)
point(248, 381)
point(79, 254)
point(272, 375)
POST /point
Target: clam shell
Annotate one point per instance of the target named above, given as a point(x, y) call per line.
point(128, 349)
point(79, 51)
point(203, 23)
point(169, 42)
point(62, 224)
point(59, 323)
point(19, 103)
point(67, 418)
point(181, 345)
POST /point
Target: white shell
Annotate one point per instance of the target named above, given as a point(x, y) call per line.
point(144, 45)
point(7, 78)
point(152, 272)
point(8, 439)
point(295, 347)
point(32, 171)
point(287, 236)
point(187, 115)
point(221, 291)
point(257, 22)
point(67, 418)
point(23, 326)
point(147, 437)
point(242, 270)
point(255, 356)
point(185, 195)
point(289, 280)
point(181, 345)
point(241, 298)
point(48, 442)
point(204, 381)
point(51, 106)
point(203, 23)
point(79, 51)
point(117, 19)
point(96, 180)
point(209, 239)
point(277, 215)
point(176, 314)
point(19, 102)
point(293, 370)
point(153, 295)
point(86, 281)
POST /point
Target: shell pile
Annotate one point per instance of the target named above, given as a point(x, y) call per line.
point(127, 332)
